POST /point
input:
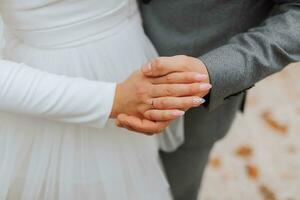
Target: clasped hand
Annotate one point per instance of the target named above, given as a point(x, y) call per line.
point(150, 98)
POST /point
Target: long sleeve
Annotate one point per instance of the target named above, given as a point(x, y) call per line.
point(255, 54)
point(33, 92)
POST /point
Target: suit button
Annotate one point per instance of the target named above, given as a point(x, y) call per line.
point(146, 1)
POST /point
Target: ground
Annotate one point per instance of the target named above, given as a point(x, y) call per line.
point(259, 159)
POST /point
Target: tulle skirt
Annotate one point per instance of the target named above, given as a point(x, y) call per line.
point(42, 159)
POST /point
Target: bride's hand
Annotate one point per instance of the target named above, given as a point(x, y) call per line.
point(137, 94)
point(142, 99)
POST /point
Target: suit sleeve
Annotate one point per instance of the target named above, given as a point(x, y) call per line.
point(251, 56)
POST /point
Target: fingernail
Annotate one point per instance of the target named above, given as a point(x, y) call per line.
point(205, 86)
point(120, 117)
point(178, 113)
point(200, 77)
point(146, 68)
point(198, 101)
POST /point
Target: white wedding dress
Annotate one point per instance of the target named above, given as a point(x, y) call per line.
point(59, 68)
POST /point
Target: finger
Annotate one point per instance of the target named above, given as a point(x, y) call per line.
point(118, 123)
point(125, 123)
point(136, 125)
point(180, 77)
point(164, 65)
point(142, 125)
point(182, 103)
point(128, 128)
point(163, 115)
point(177, 90)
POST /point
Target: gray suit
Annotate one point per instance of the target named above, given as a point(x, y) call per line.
point(241, 42)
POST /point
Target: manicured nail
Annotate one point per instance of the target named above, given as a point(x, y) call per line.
point(178, 113)
point(200, 77)
point(198, 101)
point(205, 86)
point(146, 68)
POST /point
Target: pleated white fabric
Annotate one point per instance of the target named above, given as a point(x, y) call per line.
point(56, 141)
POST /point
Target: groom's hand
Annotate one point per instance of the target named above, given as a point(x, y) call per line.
point(168, 69)
point(148, 106)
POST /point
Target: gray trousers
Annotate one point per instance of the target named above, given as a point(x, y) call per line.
point(184, 167)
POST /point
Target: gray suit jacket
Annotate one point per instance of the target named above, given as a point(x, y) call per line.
point(240, 42)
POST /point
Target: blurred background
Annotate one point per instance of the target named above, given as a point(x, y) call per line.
point(259, 159)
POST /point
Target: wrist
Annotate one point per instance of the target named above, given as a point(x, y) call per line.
point(116, 104)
